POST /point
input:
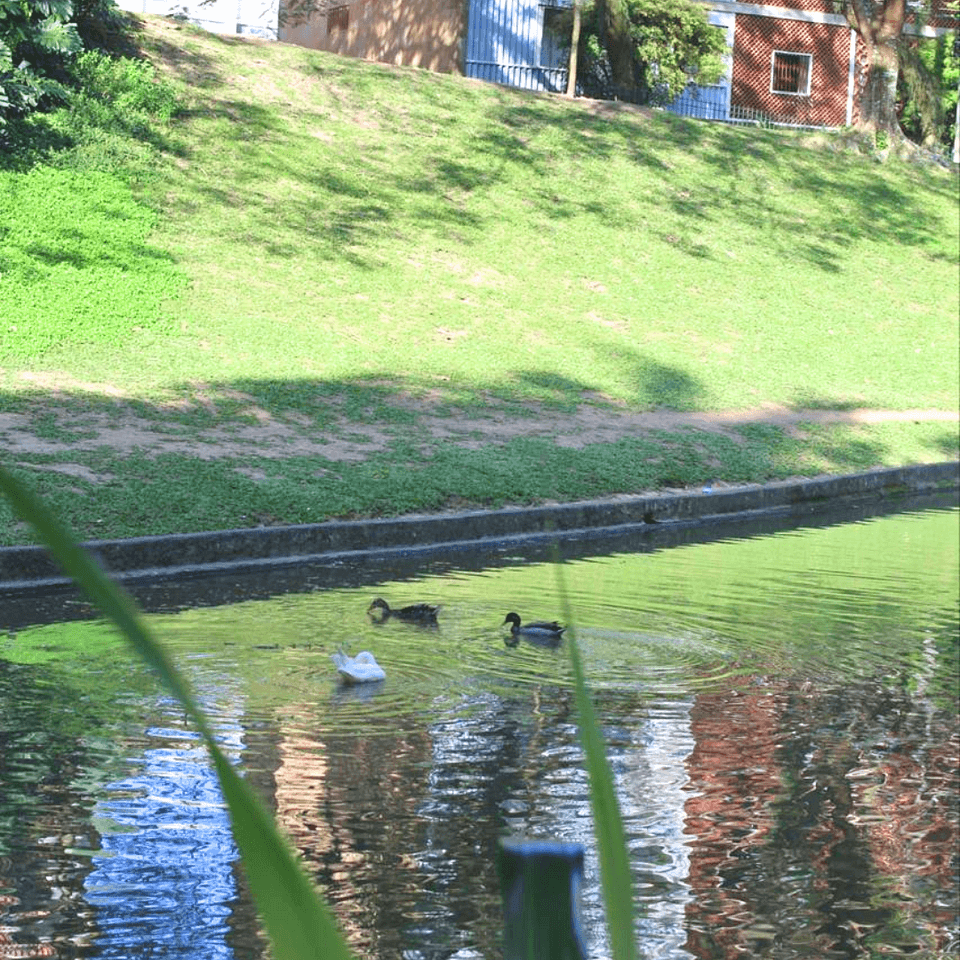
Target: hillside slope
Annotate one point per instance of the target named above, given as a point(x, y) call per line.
point(403, 291)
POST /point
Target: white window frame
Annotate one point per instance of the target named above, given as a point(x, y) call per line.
point(773, 73)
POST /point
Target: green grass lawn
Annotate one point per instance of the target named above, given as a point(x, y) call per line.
point(328, 245)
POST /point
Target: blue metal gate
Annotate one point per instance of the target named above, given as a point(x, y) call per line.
point(513, 42)
point(707, 103)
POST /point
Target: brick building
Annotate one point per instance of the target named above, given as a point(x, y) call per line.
point(792, 62)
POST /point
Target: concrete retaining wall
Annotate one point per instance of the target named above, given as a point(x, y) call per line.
point(183, 555)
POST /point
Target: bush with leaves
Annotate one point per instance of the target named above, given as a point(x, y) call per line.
point(36, 38)
point(114, 117)
point(121, 92)
point(673, 44)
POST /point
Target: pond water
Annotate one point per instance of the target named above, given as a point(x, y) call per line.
point(780, 711)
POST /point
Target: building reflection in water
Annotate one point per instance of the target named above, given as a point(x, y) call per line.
point(806, 811)
point(163, 883)
point(400, 824)
point(822, 823)
point(756, 819)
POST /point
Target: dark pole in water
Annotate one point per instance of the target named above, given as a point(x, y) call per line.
point(540, 885)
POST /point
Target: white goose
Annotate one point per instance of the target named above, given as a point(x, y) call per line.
point(363, 668)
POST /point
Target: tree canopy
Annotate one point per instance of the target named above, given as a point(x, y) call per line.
point(652, 47)
point(35, 37)
point(893, 58)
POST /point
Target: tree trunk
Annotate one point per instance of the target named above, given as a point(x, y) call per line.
point(616, 36)
point(574, 50)
point(879, 24)
point(878, 96)
point(956, 133)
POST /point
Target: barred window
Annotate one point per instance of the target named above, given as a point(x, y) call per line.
point(338, 18)
point(790, 72)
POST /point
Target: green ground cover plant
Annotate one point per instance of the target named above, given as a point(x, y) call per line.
point(101, 495)
point(87, 273)
point(236, 235)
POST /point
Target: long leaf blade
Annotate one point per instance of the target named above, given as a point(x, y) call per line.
point(298, 924)
point(615, 880)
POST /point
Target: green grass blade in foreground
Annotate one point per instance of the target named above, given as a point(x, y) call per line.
point(298, 924)
point(615, 879)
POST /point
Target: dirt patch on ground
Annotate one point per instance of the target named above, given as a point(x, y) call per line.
point(590, 424)
point(263, 435)
point(610, 108)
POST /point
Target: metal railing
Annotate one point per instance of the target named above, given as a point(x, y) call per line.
point(710, 103)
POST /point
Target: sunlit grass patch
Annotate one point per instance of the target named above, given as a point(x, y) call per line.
point(76, 263)
point(344, 221)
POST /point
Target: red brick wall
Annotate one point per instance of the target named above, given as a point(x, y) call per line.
point(938, 13)
point(941, 14)
point(755, 40)
point(821, 6)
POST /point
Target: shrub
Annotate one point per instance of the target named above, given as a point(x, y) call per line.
point(929, 73)
point(673, 45)
point(126, 89)
point(36, 39)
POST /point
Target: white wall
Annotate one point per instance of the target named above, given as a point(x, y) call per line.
point(257, 18)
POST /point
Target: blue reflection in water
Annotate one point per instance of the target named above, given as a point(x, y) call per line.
point(649, 768)
point(164, 884)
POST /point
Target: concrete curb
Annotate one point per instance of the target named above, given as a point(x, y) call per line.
point(144, 559)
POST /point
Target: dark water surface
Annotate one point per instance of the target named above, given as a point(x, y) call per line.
point(781, 714)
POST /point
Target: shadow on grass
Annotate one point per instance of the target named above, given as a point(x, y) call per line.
point(949, 444)
point(734, 168)
point(378, 397)
point(866, 200)
point(247, 453)
point(188, 61)
point(345, 196)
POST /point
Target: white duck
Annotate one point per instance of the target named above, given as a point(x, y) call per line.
point(363, 668)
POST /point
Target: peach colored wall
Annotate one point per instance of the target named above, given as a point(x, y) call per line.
point(415, 33)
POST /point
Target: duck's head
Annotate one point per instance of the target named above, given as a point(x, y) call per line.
point(379, 611)
point(512, 618)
